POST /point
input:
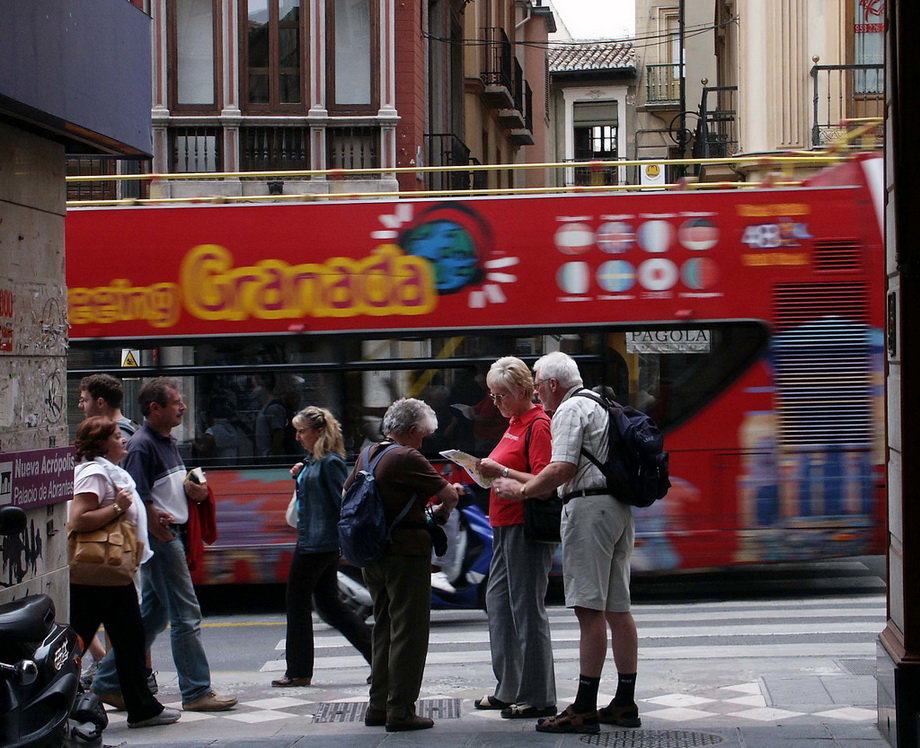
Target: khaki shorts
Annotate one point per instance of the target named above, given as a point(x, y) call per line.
point(597, 541)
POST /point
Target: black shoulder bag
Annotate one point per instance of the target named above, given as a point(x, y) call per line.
point(542, 517)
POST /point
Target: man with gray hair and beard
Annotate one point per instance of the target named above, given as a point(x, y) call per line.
point(597, 541)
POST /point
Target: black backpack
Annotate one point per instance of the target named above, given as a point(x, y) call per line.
point(637, 465)
point(364, 534)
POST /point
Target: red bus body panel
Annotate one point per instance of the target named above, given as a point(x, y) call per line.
point(518, 262)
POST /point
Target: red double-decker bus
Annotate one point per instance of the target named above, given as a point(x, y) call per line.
point(747, 322)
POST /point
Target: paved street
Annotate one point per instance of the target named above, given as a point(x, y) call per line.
point(802, 661)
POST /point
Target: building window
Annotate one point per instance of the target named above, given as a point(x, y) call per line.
point(272, 56)
point(193, 51)
point(595, 139)
point(352, 27)
point(663, 78)
point(869, 45)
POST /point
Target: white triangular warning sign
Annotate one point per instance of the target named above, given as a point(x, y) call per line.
point(130, 357)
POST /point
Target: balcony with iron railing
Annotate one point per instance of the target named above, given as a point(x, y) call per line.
point(195, 149)
point(353, 147)
point(505, 88)
point(845, 92)
point(586, 173)
point(716, 130)
point(274, 148)
point(497, 70)
point(446, 149)
point(87, 166)
point(512, 117)
point(524, 135)
point(262, 145)
point(662, 84)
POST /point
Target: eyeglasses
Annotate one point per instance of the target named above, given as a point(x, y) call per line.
point(497, 398)
point(536, 384)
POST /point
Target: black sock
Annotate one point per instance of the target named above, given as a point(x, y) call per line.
point(626, 689)
point(586, 698)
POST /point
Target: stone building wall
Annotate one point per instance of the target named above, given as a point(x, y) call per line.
point(35, 462)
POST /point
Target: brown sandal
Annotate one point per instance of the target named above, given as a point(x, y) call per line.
point(569, 720)
point(621, 716)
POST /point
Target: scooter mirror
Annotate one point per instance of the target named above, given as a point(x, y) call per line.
point(26, 672)
point(12, 520)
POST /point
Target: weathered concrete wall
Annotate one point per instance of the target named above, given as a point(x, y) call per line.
point(33, 347)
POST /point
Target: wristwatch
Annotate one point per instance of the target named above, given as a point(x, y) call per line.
point(118, 509)
point(504, 472)
point(524, 490)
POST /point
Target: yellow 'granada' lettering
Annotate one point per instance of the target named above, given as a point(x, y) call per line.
point(387, 282)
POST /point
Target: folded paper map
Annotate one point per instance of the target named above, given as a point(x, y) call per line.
point(468, 463)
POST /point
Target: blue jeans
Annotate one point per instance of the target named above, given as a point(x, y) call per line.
point(168, 597)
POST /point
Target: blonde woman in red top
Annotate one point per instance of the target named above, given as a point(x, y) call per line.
point(519, 635)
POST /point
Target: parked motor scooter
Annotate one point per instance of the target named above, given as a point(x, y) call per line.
point(468, 574)
point(39, 670)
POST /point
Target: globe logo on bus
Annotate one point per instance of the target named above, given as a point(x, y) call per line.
point(450, 250)
point(459, 245)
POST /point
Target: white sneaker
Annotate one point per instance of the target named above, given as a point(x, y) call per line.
point(440, 581)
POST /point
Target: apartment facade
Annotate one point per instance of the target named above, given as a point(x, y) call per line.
point(755, 76)
point(593, 90)
point(285, 85)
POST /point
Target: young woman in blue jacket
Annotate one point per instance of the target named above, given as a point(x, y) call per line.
point(313, 576)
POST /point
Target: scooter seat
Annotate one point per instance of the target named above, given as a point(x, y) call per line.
point(26, 620)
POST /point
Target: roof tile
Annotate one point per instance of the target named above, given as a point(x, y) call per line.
point(591, 55)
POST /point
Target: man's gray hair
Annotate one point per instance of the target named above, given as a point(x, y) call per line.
point(406, 413)
point(559, 366)
point(156, 390)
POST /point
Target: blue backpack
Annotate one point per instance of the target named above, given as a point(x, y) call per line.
point(363, 531)
point(636, 468)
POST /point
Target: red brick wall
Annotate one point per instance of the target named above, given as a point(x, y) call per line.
point(411, 86)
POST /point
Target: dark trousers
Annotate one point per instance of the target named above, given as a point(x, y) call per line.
point(313, 580)
point(401, 588)
point(116, 608)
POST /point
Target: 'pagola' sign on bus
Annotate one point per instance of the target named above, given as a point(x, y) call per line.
point(669, 341)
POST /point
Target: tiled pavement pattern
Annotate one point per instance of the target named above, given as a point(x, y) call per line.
point(803, 665)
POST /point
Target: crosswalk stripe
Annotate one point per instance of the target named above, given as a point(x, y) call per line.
point(751, 629)
point(647, 654)
point(334, 639)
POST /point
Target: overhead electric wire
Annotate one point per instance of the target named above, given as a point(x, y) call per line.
point(652, 40)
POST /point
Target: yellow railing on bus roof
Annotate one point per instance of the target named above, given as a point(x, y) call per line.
point(783, 162)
